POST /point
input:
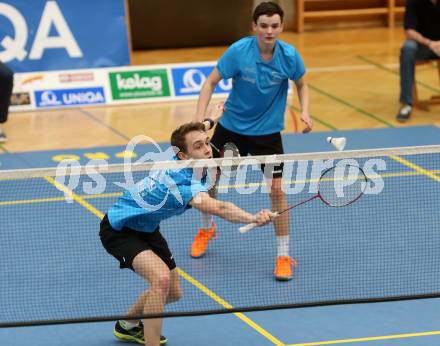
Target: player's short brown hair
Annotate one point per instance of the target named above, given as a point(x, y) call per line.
point(267, 8)
point(178, 136)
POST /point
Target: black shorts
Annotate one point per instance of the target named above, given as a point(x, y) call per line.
point(126, 244)
point(251, 145)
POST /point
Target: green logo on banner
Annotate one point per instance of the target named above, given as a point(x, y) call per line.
point(139, 84)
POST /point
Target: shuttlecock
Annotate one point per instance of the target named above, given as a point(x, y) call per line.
point(338, 143)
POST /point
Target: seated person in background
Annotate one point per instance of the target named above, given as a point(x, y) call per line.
point(422, 29)
point(6, 83)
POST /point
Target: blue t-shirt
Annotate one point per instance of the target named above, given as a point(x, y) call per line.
point(257, 102)
point(159, 196)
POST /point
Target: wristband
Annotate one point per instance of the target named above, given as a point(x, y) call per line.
point(211, 122)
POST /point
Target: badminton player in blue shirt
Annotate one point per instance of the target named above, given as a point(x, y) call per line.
point(260, 67)
point(130, 230)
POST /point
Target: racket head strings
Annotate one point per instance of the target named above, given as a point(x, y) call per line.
point(229, 150)
point(342, 185)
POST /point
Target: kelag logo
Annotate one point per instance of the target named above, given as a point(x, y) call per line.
point(69, 97)
point(139, 84)
point(189, 80)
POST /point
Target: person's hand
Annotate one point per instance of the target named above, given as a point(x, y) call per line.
point(263, 217)
point(217, 111)
point(307, 122)
point(435, 47)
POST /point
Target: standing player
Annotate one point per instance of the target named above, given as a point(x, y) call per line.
point(260, 67)
point(130, 231)
point(6, 84)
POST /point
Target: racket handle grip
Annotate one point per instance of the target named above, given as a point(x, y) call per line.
point(252, 225)
point(248, 227)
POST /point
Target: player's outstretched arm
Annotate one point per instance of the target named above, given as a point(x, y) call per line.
point(206, 93)
point(303, 96)
point(229, 211)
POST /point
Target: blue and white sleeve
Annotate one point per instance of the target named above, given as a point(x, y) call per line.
point(298, 68)
point(227, 65)
point(188, 192)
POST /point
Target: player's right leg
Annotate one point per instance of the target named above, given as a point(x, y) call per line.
point(130, 247)
point(148, 265)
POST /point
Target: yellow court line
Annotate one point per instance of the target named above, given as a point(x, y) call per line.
point(30, 201)
point(103, 195)
point(373, 338)
point(420, 171)
point(406, 174)
point(221, 187)
point(228, 306)
point(416, 168)
point(80, 200)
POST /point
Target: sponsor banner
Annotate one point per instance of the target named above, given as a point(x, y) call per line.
point(106, 86)
point(20, 99)
point(188, 80)
point(75, 77)
point(25, 81)
point(69, 97)
point(139, 84)
point(41, 35)
point(55, 80)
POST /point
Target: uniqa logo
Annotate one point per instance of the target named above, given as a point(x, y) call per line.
point(83, 97)
point(14, 47)
point(49, 98)
point(138, 82)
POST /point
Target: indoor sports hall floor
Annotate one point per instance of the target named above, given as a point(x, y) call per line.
point(354, 88)
point(234, 260)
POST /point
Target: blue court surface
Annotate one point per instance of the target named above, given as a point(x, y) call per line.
point(366, 250)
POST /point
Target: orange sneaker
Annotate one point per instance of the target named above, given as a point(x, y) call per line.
point(283, 268)
point(201, 240)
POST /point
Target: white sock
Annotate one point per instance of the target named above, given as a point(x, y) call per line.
point(283, 245)
point(127, 325)
point(207, 221)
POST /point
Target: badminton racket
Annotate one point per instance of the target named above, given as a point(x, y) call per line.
point(338, 186)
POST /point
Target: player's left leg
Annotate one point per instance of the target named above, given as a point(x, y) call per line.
point(284, 263)
point(272, 145)
point(149, 266)
point(175, 292)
